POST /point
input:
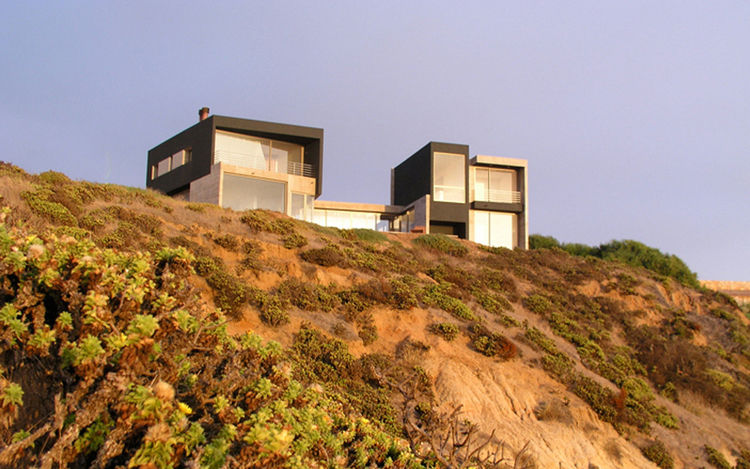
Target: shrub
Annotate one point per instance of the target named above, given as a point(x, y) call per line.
point(555, 410)
point(442, 243)
point(743, 460)
point(446, 330)
point(657, 453)
point(537, 241)
point(434, 295)
point(227, 241)
point(492, 344)
point(716, 459)
point(492, 303)
point(294, 240)
point(53, 211)
point(402, 292)
point(538, 304)
point(306, 296)
point(368, 332)
point(363, 234)
point(256, 220)
point(273, 314)
point(229, 293)
point(595, 395)
point(327, 256)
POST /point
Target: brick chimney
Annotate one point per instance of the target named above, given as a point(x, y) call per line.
point(203, 113)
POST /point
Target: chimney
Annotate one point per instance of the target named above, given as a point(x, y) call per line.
point(203, 113)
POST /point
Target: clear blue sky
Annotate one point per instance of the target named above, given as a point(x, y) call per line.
point(634, 116)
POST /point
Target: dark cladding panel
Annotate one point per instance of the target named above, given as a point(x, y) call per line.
point(199, 140)
point(412, 178)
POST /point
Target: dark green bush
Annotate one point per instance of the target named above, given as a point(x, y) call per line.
point(229, 293)
point(629, 252)
point(326, 256)
point(363, 234)
point(306, 296)
point(442, 243)
point(435, 295)
point(446, 330)
point(537, 241)
point(716, 459)
point(492, 344)
point(657, 453)
point(53, 211)
point(227, 241)
point(294, 240)
point(539, 304)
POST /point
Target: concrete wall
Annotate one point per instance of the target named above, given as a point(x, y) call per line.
point(208, 188)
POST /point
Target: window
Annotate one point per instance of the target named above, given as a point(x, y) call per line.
point(245, 193)
point(449, 178)
point(164, 166)
point(171, 162)
point(302, 206)
point(496, 185)
point(346, 220)
point(494, 229)
point(258, 153)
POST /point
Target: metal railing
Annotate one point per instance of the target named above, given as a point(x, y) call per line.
point(246, 160)
point(300, 169)
point(496, 195)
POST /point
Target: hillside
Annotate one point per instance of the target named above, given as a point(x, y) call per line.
point(141, 331)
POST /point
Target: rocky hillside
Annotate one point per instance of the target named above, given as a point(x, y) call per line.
point(141, 331)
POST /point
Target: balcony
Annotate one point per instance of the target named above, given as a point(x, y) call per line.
point(496, 195)
point(255, 161)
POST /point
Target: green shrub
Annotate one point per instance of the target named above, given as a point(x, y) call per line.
point(446, 330)
point(538, 304)
point(230, 294)
point(716, 459)
point(294, 240)
point(442, 243)
point(595, 395)
point(227, 241)
point(306, 296)
point(743, 460)
point(434, 295)
point(492, 344)
point(368, 332)
point(53, 211)
point(363, 234)
point(492, 302)
point(537, 241)
point(401, 294)
point(327, 256)
point(657, 453)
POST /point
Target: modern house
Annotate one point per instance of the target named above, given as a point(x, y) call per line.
point(246, 164)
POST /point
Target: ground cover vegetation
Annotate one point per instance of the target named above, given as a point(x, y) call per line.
point(103, 303)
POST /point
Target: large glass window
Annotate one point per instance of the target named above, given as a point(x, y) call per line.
point(245, 193)
point(258, 153)
point(494, 229)
point(302, 206)
point(449, 177)
point(495, 185)
point(346, 220)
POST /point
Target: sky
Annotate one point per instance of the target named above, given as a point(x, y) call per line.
point(634, 116)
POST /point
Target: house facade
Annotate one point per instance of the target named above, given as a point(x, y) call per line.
point(246, 164)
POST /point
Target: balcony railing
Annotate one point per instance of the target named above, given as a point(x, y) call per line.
point(246, 160)
point(496, 195)
point(300, 169)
